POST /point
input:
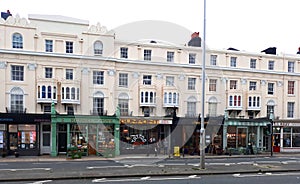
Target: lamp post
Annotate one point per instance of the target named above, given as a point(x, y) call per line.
point(202, 130)
point(271, 131)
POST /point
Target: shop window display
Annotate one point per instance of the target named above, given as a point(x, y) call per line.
point(78, 138)
point(106, 142)
point(93, 139)
point(27, 136)
point(291, 137)
point(2, 140)
point(287, 137)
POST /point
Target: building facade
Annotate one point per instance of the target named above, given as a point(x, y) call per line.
point(85, 71)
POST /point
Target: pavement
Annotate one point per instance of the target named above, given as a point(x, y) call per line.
point(141, 170)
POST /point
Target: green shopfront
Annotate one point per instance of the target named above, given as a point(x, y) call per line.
point(238, 133)
point(92, 135)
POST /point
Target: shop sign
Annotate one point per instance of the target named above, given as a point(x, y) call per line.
point(286, 124)
point(6, 119)
point(145, 122)
point(165, 122)
point(138, 137)
point(80, 120)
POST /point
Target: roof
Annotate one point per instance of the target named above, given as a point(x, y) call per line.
point(57, 18)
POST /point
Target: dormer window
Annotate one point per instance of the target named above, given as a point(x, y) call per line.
point(98, 48)
point(17, 41)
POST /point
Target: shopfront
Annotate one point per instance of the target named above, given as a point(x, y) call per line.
point(20, 133)
point(286, 136)
point(92, 135)
point(186, 134)
point(239, 133)
point(142, 135)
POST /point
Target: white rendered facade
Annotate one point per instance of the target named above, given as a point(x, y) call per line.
point(94, 77)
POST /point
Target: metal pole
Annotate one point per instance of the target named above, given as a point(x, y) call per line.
point(272, 140)
point(272, 120)
point(202, 130)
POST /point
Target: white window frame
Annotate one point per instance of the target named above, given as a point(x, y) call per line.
point(192, 58)
point(98, 77)
point(191, 83)
point(123, 80)
point(170, 56)
point(69, 47)
point(17, 73)
point(147, 54)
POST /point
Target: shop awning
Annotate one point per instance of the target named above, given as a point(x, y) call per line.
point(245, 123)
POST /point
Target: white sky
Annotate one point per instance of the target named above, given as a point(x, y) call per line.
point(249, 25)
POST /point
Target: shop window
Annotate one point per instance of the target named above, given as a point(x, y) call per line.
point(287, 137)
point(27, 136)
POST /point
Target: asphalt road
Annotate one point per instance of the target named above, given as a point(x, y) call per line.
point(257, 178)
point(144, 169)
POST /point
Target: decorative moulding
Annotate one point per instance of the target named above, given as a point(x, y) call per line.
point(181, 77)
point(159, 76)
point(85, 71)
point(31, 66)
point(244, 81)
point(16, 21)
point(3, 65)
point(97, 29)
point(135, 75)
point(111, 72)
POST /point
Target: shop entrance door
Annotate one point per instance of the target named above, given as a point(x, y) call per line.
point(45, 139)
point(242, 137)
point(62, 142)
point(13, 143)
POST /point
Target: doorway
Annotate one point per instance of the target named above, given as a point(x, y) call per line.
point(242, 136)
point(62, 138)
point(62, 142)
point(13, 143)
point(46, 139)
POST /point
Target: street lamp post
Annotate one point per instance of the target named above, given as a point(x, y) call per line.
point(271, 131)
point(202, 130)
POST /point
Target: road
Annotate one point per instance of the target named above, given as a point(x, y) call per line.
point(257, 178)
point(149, 170)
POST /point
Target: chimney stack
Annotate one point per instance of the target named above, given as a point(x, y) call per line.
point(195, 40)
point(298, 51)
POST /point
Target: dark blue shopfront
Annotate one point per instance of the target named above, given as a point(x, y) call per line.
point(20, 133)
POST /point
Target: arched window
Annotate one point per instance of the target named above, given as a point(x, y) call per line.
point(165, 97)
point(191, 106)
point(43, 91)
point(54, 92)
point(78, 93)
point(170, 98)
point(123, 103)
point(67, 93)
point(73, 93)
point(17, 41)
point(49, 92)
point(16, 100)
point(98, 48)
point(175, 99)
point(270, 107)
point(98, 103)
point(62, 93)
point(212, 106)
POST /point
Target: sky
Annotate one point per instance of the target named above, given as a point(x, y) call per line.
point(247, 25)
